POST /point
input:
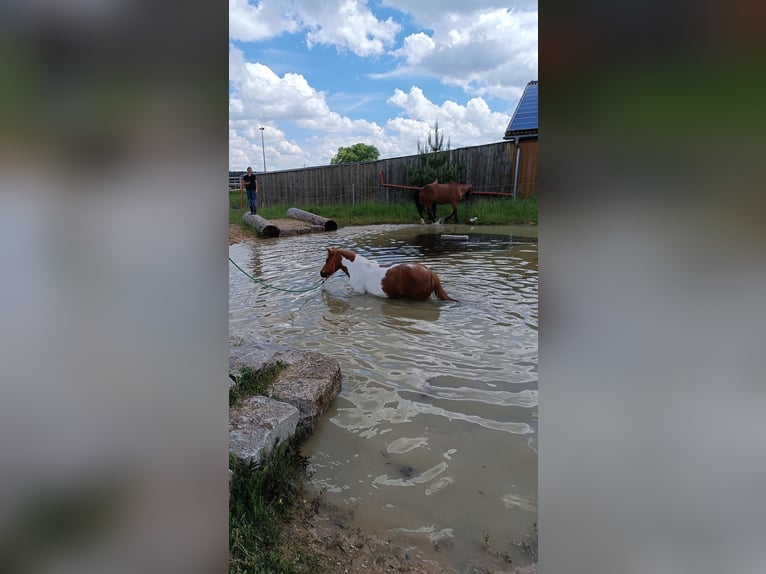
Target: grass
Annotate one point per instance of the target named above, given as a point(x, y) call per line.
point(262, 499)
point(496, 211)
point(263, 496)
point(253, 382)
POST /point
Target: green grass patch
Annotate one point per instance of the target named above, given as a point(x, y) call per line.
point(253, 382)
point(488, 211)
point(261, 500)
point(236, 215)
point(264, 497)
point(499, 211)
point(366, 213)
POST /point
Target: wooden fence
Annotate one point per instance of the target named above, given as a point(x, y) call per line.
point(489, 168)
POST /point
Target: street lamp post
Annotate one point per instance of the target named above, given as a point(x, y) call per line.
point(263, 149)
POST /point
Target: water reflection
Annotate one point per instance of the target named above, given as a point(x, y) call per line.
point(335, 305)
point(398, 310)
point(440, 243)
point(434, 433)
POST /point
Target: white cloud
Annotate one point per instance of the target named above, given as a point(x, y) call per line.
point(492, 53)
point(416, 48)
point(428, 13)
point(346, 24)
point(481, 48)
point(258, 93)
point(349, 24)
point(261, 97)
point(267, 19)
point(472, 124)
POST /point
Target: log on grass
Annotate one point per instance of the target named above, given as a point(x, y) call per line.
point(328, 224)
point(264, 226)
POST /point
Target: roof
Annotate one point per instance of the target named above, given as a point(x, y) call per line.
point(524, 120)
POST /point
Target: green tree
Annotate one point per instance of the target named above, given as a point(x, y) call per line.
point(433, 162)
point(355, 153)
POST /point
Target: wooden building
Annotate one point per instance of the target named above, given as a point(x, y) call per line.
point(522, 132)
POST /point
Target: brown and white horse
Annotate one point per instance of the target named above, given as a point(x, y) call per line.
point(401, 281)
point(435, 193)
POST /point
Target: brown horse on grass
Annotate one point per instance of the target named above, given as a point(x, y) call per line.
point(434, 193)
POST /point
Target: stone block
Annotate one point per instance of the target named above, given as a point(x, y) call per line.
point(310, 382)
point(257, 424)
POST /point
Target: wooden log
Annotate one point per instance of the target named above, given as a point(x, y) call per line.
point(303, 229)
point(264, 226)
point(328, 224)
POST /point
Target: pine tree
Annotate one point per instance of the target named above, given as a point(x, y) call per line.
point(433, 162)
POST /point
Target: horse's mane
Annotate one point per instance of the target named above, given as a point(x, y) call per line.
point(350, 255)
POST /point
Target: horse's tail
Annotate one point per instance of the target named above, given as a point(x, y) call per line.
point(439, 290)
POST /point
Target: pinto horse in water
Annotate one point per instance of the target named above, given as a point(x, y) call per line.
point(434, 193)
point(401, 281)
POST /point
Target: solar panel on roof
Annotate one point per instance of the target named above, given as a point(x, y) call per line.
point(525, 116)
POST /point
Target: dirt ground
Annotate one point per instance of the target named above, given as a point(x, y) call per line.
point(239, 233)
point(329, 536)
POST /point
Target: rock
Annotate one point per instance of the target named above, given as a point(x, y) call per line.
point(257, 354)
point(309, 383)
point(257, 424)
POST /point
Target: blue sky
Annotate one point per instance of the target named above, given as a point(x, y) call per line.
point(320, 74)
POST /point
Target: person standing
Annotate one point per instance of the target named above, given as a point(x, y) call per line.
point(250, 182)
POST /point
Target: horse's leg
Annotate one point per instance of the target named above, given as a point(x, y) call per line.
point(429, 207)
point(454, 212)
point(418, 204)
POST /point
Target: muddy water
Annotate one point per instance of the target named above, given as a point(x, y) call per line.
point(433, 439)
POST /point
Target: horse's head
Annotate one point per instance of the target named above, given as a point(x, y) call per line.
point(465, 191)
point(333, 262)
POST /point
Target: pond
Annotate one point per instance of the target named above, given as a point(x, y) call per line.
point(433, 438)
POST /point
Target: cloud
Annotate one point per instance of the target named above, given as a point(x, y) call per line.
point(258, 93)
point(267, 19)
point(491, 53)
point(472, 124)
point(430, 13)
point(348, 25)
point(345, 24)
point(261, 97)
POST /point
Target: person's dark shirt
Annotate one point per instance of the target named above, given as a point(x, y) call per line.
point(249, 181)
